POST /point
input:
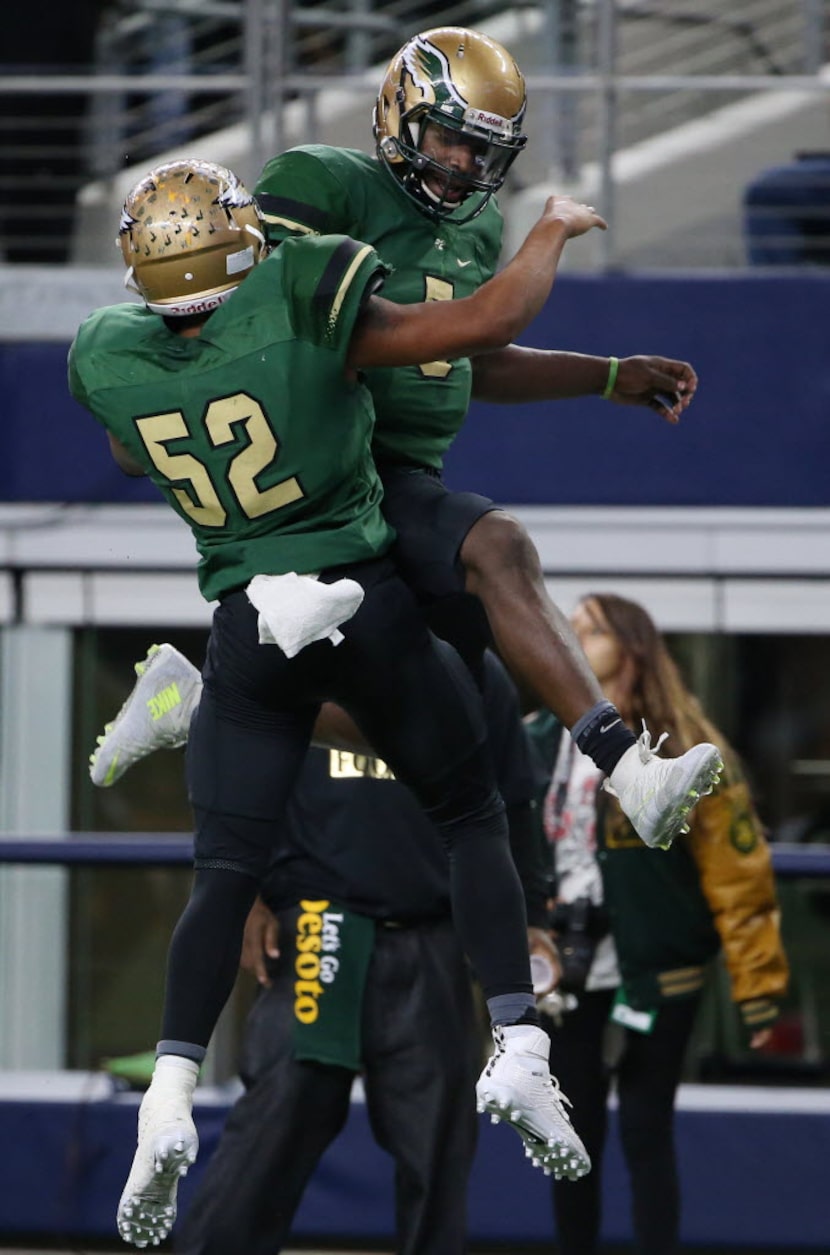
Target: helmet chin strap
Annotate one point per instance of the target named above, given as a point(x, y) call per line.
point(411, 180)
point(433, 196)
point(420, 166)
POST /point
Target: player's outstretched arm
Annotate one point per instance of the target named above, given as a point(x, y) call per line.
point(661, 383)
point(515, 374)
point(387, 334)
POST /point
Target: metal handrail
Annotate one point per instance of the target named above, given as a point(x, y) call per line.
point(274, 58)
point(30, 84)
point(101, 849)
point(790, 860)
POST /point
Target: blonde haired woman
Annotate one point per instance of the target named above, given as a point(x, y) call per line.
point(637, 927)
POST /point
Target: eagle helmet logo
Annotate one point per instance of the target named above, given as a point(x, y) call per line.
point(429, 69)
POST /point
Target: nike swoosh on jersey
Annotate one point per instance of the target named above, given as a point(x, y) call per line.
point(464, 263)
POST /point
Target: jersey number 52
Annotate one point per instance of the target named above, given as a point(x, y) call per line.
point(200, 501)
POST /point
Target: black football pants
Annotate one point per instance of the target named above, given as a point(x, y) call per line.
point(418, 707)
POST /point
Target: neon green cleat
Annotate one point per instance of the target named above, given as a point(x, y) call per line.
point(136, 1070)
point(156, 715)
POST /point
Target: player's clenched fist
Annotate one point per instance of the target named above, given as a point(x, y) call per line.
point(578, 218)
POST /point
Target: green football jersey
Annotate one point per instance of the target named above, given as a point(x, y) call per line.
point(317, 189)
point(251, 429)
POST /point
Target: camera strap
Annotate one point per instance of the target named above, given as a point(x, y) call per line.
point(562, 774)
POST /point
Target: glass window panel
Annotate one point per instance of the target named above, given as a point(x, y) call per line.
point(769, 694)
point(121, 918)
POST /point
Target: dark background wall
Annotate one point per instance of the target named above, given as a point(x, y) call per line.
point(757, 434)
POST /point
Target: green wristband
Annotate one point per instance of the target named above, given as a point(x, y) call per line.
point(613, 367)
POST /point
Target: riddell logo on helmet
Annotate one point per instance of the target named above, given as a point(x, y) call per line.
point(180, 308)
point(492, 120)
point(199, 306)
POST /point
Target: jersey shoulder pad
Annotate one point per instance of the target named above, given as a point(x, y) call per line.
point(105, 332)
point(310, 190)
point(325, 281)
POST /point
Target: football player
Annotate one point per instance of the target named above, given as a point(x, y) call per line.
point(234, 386)
point(448, 124)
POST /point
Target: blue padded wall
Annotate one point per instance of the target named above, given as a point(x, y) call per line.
point(755, 436)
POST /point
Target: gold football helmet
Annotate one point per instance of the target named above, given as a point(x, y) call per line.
point(466, 83)
point(189, 234)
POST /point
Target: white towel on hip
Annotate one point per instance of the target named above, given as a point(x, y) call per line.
point(295, 610)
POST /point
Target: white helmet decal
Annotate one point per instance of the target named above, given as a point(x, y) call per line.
point(429, 69)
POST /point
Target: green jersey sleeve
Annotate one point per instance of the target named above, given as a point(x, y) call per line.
point(326, 280)
point(298, 193)
point(76, 383)
point(92, 334)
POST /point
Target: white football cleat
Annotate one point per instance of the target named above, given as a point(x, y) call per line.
point(167, 1145)
point(516, 1086)
point(155, 715)
point(657, 794)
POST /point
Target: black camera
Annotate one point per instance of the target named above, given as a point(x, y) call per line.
point(579, 926)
